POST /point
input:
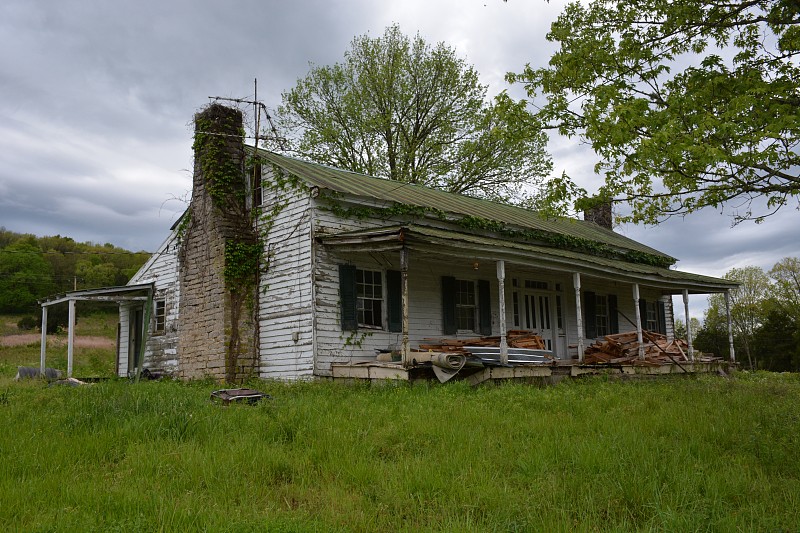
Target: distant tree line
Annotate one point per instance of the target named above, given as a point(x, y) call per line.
point(765, 315)
point(32, 268)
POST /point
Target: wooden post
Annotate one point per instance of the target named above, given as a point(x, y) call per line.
point(405, 357)
point(501, 296)
point(43, 348)
point(576, 282)
point(730, 323)
point(71, 338)
point(688, 323)
point(638, 320)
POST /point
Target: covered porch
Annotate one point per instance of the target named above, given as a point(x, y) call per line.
point(138, 297)
point(538, 288)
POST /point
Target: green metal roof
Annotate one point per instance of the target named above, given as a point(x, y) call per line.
point(380, 189)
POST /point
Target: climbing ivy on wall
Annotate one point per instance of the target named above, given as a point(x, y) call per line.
point(469, 222)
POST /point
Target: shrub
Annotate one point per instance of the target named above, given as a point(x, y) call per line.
point(27, 323)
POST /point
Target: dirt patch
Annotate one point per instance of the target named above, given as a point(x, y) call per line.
point(83, 341)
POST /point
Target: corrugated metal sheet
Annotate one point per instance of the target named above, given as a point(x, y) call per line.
point(352, 183)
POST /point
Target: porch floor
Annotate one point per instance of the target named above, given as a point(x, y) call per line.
point(534, 373)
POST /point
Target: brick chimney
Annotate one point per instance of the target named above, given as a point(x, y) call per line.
point(600, 213)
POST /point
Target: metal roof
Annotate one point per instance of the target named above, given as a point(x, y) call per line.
point(353, 183)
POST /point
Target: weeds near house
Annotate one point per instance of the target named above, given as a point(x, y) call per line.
point(674, 454)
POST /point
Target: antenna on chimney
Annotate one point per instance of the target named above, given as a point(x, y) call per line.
point(258, 106)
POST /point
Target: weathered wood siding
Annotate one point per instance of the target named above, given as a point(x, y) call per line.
point(285, 292)
point(160, 349)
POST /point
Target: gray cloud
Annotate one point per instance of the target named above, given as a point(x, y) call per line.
point(95, 134)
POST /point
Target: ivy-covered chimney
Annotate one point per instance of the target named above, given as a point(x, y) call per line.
point(219, 257)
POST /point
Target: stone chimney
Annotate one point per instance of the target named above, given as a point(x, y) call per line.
point(218, 290)
point(600, 213)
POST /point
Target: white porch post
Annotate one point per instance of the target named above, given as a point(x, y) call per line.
point(576, 282)
point(406, 360)
point(501, 296)
point(688, 323)
point(43, 349)
point(638, 320)
point(71, 338)
point(730, 324)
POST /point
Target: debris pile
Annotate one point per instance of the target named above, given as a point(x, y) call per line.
point(514, 338)
point(623, 348)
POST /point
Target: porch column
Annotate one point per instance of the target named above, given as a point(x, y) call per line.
point(688, 323)
point(730, 324)
point(43, 349)
point(406, 360)
point(501, 296)
point(638, 320)
point(576, 282)
point(71, 337)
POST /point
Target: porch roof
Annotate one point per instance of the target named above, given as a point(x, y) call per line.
point(437, 241)
point(385, 190)
point(104, 294)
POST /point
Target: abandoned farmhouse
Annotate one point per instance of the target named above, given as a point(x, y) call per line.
point(286, 269)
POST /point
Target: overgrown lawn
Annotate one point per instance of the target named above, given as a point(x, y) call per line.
point(677, 454)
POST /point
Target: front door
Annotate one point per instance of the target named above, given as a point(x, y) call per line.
point(537, 315)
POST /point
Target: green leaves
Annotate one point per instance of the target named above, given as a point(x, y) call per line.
point(687, 104)
point(400, 108)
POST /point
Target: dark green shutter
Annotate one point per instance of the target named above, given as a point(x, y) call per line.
point(613, 314)
point(590, 315)
point(643, 312)
point(348, 298)
point(484, 308)
point(449, 305)
point(662, 317)
point(394, 300)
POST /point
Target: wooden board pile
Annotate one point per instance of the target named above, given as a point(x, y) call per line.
point(514, 338)
point(623, 348)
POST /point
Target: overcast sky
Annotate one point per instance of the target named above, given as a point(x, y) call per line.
point(98, 98)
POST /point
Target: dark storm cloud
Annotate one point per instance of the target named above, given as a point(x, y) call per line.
point(98, 98)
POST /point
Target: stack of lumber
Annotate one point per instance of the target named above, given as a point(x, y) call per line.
point(514, 338)
point(624, 348)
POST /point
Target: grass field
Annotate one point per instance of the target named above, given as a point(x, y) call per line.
point(677, 454)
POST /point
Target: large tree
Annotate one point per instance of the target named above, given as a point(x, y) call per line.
point(24, 276)
point(687, 103)
point(403, 109)
point(747, 306)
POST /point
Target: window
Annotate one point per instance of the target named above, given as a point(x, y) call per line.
point(465, 305)
point(600, 315)
point(369, 292)
point(160, 316)
point(367, 297)
point(651, 317)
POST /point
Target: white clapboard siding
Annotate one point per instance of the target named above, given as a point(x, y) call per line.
point(285, 293)
point(160, 349)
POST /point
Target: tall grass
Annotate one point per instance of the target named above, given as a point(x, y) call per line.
point(674, 454)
